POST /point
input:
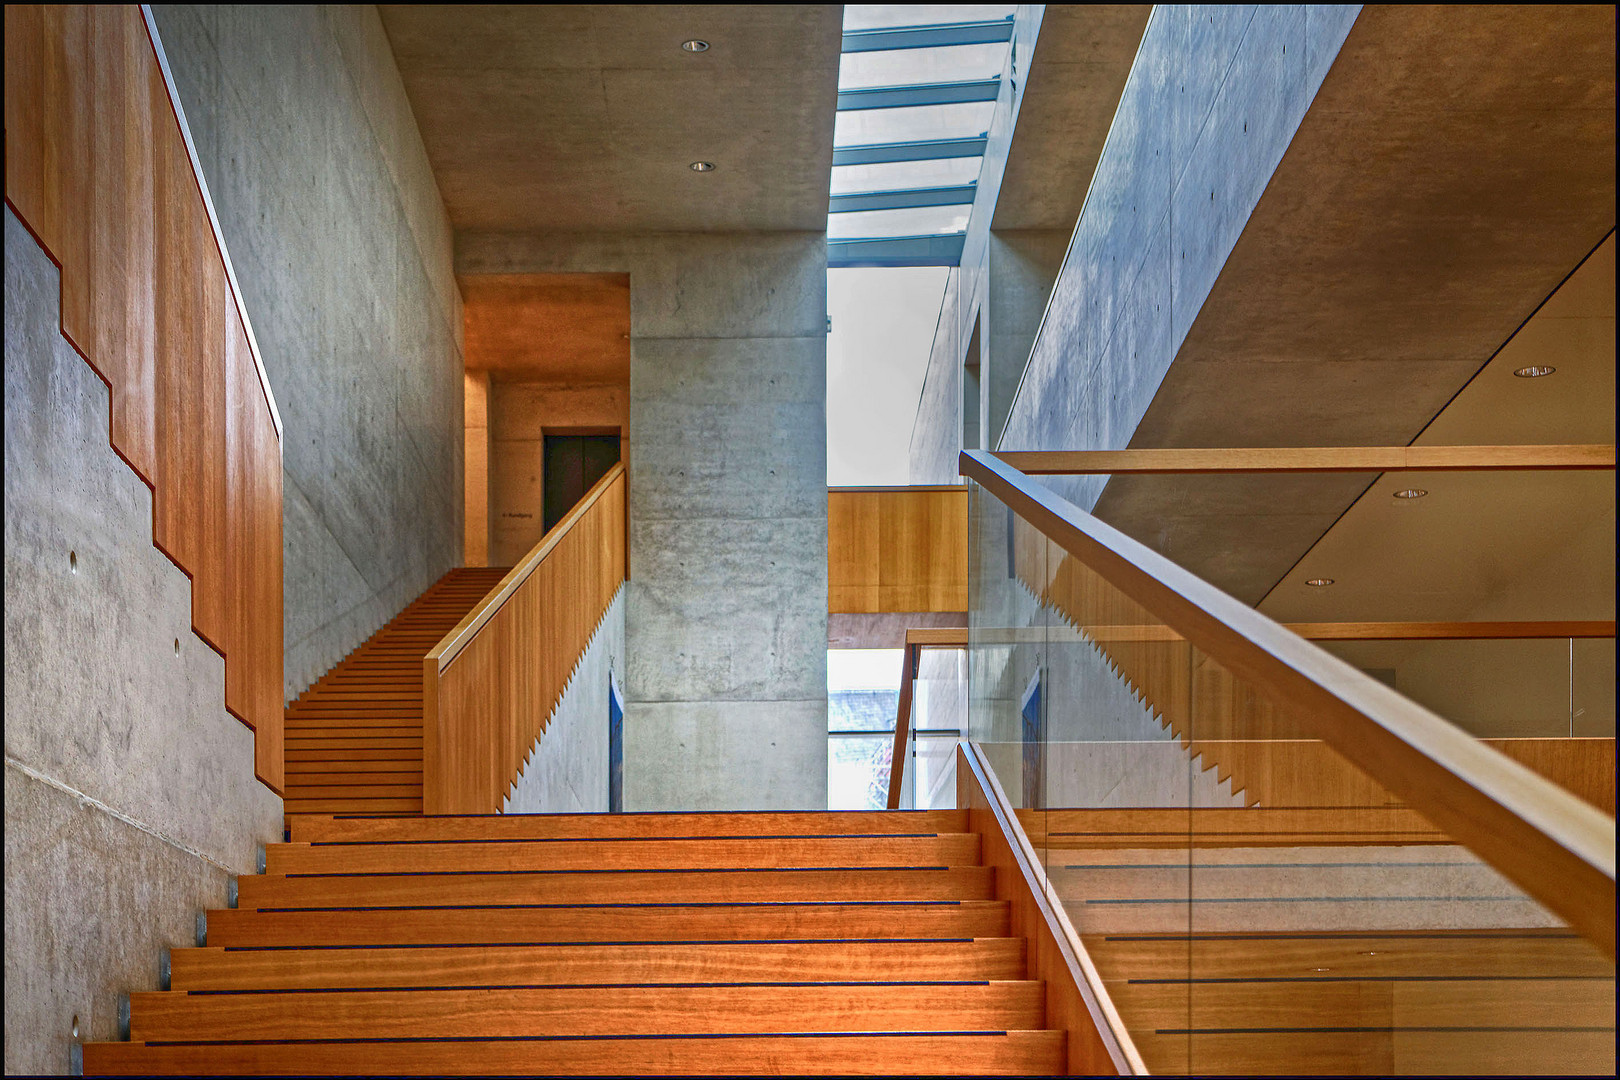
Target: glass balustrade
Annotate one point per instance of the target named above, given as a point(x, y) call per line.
point(1254, 901)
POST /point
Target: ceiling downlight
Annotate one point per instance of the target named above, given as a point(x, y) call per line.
point(702, 166)
point(1535, 371)
point(1411, 493)
point(1319, 582)
point(695, 45)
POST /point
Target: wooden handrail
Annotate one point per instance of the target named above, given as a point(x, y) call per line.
point(1076, 997)
point(489, 686)
point(1558, 849)
point(1391, 631)
point(450, 646)
point(1326, 459)
point(213, 217)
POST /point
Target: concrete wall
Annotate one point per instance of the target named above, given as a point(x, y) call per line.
point(1023, 265)
point(726, 609)
point(343, 252)
point(520, 415)
point(567, 769)
point(130, 796)
point(1210, 107)
point(936, 435)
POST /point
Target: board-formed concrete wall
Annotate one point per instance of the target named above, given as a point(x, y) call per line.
point(343, 252)
point(130, 795)
point(1210, 107)
point(566, 771)
point(726, 608)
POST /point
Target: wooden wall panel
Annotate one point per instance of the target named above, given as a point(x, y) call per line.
point(897, 549)
point(489, 688)
point(99, 169)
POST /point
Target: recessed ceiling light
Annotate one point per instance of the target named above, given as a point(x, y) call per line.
point(1535, 371)
point(695, 45)
point(1411, 493)
point(701, 166)
point(1319, 582)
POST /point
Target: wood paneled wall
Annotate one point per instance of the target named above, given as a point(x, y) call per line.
point(100, 169)
point(489, 688)
point(897, 549)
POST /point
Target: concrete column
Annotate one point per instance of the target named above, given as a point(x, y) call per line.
point(726, 609)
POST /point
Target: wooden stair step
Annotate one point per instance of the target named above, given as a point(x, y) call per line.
point(953, 849)
point(302, 791)
point(964, 920)
point(1461, 954)
point(635, 825)
point(507, 1012)
point(1316, 1052)
point(600, 964)
point(989, 1053)
point(617, 887)
point(1330, 1001)
point(318, 754)
point(329, 806)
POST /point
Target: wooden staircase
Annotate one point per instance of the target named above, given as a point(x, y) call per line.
point(354, 738)
point(1327, 941)
point(752, 943)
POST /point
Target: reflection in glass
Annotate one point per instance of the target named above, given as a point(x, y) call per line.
point(1253, 901)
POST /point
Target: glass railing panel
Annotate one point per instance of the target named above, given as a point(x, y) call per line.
point(1336, 930)
point(1253, 901)
point(1006, 639)
point(1592, 689)
point(939, 716)
point(1102, 784)
point(1495, 689)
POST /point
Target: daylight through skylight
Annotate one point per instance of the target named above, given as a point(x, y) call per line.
point(917, 86)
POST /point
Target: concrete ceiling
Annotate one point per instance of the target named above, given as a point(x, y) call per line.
point(1076, 75)
point(586, 117)
point(1456, 165)
point(571, 328)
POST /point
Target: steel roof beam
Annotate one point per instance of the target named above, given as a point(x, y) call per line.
point(897, 251)
point(903, 199)
point(928, 37)
point(905, 97)
point(930, 150)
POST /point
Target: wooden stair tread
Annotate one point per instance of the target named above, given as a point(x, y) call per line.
point(958, 920)
point(368, 707)
point(598, 964)
point(508, 1012)
point(1007, 1053)
point(638, 825)
point(615, 887)
point(951, 849)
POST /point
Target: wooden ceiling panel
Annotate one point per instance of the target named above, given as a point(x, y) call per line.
point(548, 327)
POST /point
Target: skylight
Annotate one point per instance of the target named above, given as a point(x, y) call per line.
point(917, 86)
